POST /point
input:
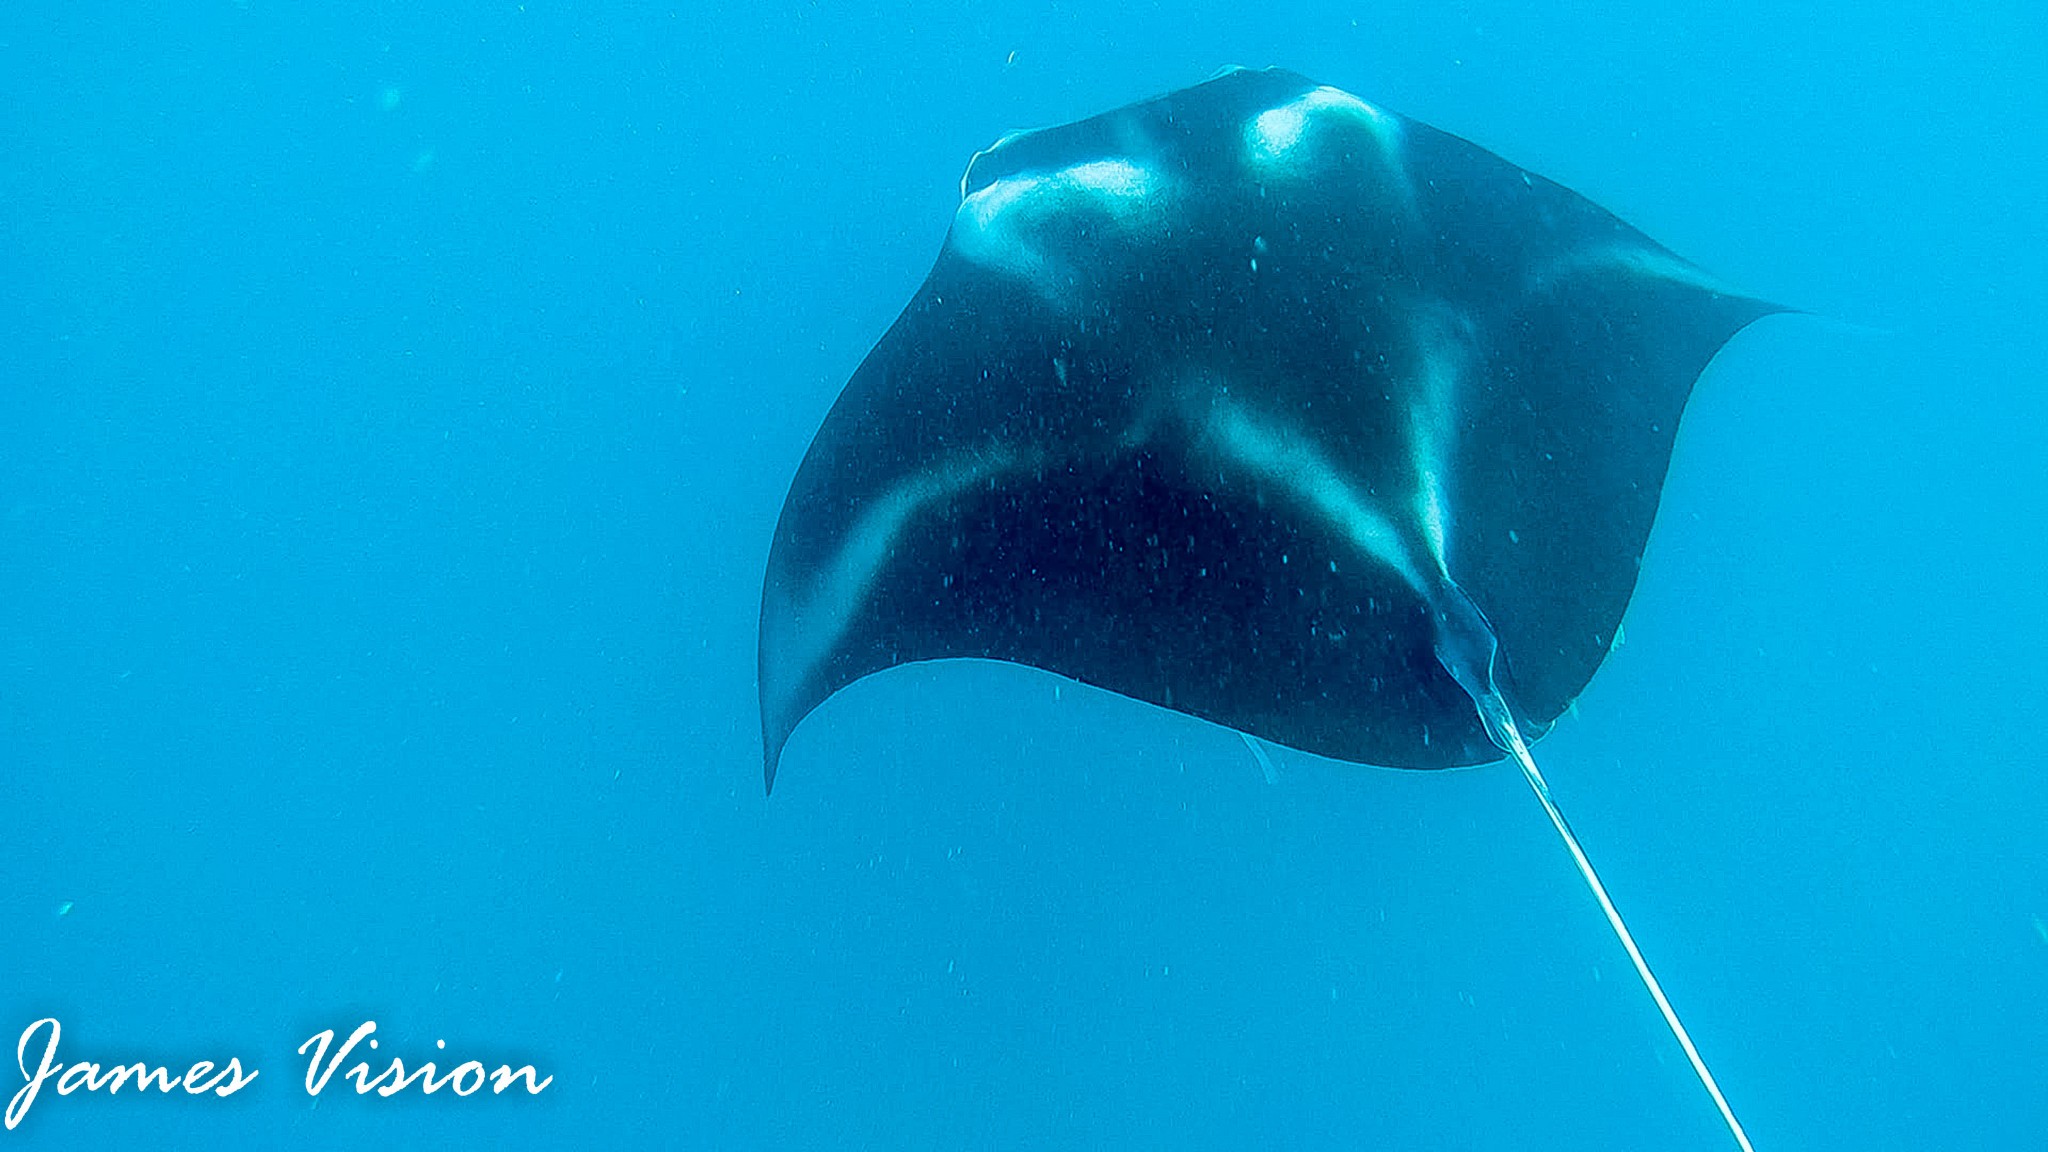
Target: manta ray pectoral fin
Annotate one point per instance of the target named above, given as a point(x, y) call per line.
point(810, 616)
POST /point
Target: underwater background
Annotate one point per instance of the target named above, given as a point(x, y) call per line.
point(396, 401)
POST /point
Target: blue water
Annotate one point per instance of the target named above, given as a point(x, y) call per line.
point(394, 413)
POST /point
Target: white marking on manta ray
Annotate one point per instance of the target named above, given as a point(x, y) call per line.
point(816, 621)
point(1001, 225)
point(1274, 138)
point(1281, 456)
point(1278, 454)
point(1275, 132)
point(1646, 262)
point(1266, 768)
point(1433, 428)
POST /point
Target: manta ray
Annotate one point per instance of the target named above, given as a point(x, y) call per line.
point(1261, 403)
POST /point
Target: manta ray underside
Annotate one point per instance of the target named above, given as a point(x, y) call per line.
point(1259, 403)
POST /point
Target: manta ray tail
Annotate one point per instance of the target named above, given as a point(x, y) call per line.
point(1468, 649)
point(1500, 725)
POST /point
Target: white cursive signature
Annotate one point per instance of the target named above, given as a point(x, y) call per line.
point(465, 1078)
point(201, 1078)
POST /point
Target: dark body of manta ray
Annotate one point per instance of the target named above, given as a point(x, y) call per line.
point(1262, 404)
